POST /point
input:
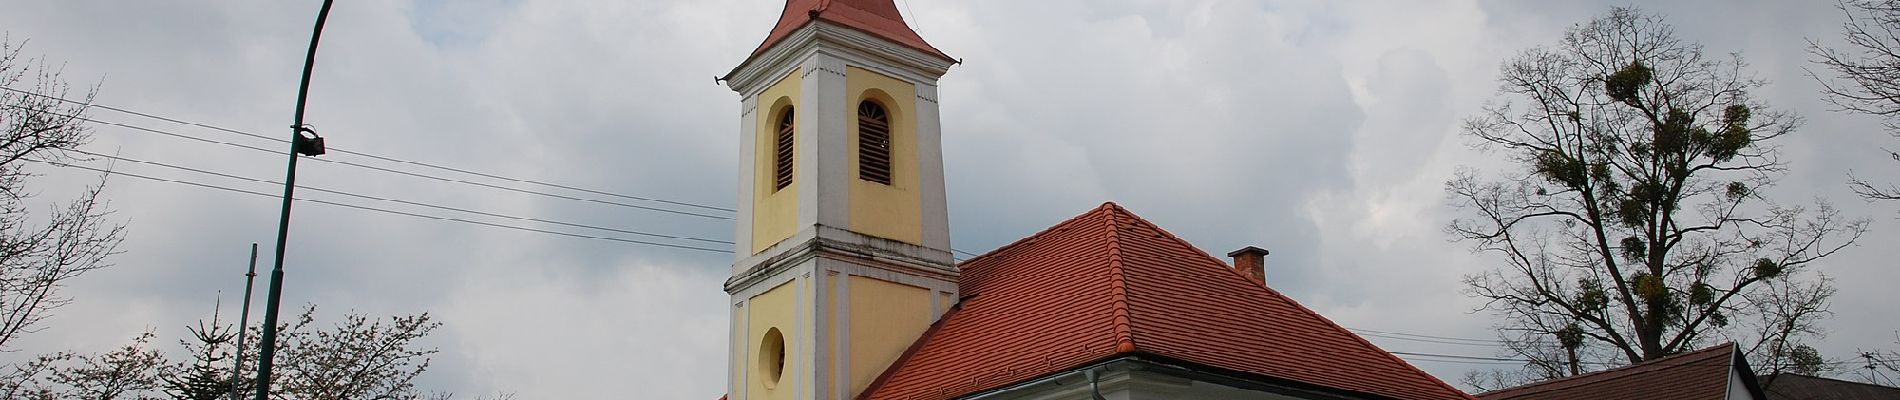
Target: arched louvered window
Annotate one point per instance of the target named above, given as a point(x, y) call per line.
point(782, 151)
point(874, 143)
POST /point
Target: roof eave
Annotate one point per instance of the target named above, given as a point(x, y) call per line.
point(1747, 375)
point(1574, 381)
point(751, 72)
point(1141, 361)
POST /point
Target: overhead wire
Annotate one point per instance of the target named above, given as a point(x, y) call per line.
point(387, 211)
point(357, 153)
point(1488, 360)
point(1541, 388)
point(373, 156)
point(401, 201)
point(412, 174)
point(1393, 336)
point(1421, 337)
point(1508, 360)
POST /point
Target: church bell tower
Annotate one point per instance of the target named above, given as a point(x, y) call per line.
point(843, 241)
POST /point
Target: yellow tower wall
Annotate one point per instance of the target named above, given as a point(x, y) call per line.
point(885, 318)
point(775, 213)
point(776, 308)
point(888, 211)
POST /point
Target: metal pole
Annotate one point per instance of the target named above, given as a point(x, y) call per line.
point(269, 348)
point(244, 322)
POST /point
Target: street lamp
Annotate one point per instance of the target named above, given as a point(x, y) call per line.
point(305, 142)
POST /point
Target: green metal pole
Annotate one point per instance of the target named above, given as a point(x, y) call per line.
point(244, 323)
point(268, 348)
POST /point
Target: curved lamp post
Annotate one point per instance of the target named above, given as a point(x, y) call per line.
point(303, 142)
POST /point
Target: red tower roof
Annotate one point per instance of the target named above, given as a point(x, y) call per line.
point(875, 17)
point(1108, 284)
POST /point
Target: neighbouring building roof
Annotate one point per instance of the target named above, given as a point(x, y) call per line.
point(1787, 386)
point(876, 17)
point(1109, 284)
point(1701, 374)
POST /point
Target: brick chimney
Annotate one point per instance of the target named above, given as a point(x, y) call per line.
point(1252, 262)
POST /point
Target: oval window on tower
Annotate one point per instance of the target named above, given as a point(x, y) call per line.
point(874, 143)
point(772, 358)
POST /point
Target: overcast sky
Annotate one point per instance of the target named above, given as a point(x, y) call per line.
point(1321, 130)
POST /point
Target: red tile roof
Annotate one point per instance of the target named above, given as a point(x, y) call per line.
point(1789, 386)
point(1109, 284)
point(1701, 374)
point(875, 17)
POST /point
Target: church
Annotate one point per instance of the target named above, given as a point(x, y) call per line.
point(844, 285)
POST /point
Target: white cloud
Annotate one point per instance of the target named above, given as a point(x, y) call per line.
point(649, 329)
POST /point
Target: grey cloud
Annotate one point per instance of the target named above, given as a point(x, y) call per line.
point(1320, 131)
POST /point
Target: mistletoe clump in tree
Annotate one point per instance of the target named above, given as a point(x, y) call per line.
point(1635, 225)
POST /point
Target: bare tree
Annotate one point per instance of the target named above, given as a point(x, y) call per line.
point(1870, 66)
point(131, 372)
point(1635, 226)
point(39, 254)
point(1879, 366)
point(23, 380)
point(359, 358)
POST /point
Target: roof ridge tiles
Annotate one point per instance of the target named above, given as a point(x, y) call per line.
point(1834, 380)
point(1197, 249)
point(1575, 381)
point(1118, 280)
point(1039, 234)
point(1169, 235)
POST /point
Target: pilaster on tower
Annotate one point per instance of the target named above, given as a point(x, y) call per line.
point(842, 225)
point(813, 72)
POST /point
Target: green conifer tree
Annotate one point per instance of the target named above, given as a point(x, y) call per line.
point(207, 375)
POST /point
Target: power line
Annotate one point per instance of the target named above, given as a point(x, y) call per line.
point(1460, 357)
point(1391, 336)
point(401, 201)
point(1462, 361)
point(1547, 387)
point(1470, 359)
point(1414, 335)
point(412, 174)
point(387, 211)
point(1500, 360)
point(356, 153)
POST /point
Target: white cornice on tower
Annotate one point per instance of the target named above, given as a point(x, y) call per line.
point(853, 46)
